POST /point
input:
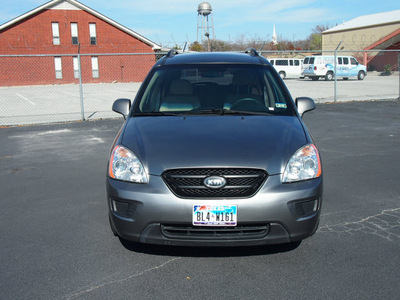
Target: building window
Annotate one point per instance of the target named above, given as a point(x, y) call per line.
point(74, 33)
point(76, 67)
point(58, 67)
point(92, 31)
point(95, 67)
point(56, 33)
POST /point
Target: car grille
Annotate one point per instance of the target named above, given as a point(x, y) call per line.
point(240, 182)
point(215, 233)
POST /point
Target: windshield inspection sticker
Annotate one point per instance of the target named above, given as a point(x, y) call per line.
point(280, 105)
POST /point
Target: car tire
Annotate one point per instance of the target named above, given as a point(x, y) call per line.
point(345, 78)
point(314, 78)
point(282, 74)
point(329, 76)
point(361, 75)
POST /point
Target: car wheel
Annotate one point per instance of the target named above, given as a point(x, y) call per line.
point(361, 75)
point(282, 74)
point(345, 78)
point(314, 78)
point(329, 76)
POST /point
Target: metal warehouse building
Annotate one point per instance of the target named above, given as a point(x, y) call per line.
point(378, 32)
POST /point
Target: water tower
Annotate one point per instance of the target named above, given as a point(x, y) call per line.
point(204, 10)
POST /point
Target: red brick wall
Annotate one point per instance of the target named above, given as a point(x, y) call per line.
point(378, 62)
point(34, 36)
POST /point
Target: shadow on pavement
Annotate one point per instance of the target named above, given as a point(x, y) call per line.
point(208, 251)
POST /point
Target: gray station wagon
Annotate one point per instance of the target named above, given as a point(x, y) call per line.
point(214, 152)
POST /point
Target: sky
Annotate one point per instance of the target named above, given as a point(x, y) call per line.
point(174, 22)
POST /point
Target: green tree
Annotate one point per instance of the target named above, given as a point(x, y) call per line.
point(315, 38)
point(196, 46)
point(315, 41)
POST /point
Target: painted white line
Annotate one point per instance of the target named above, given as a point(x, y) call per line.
point(54, 131)
point(26, 99)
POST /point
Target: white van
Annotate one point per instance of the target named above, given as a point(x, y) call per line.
point(308, 60)
point(324, 67)
point(287, 67)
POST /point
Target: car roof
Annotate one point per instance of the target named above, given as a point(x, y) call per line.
point(248, 57)
point(284, 58)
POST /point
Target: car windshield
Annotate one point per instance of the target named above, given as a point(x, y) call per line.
point(213, 89)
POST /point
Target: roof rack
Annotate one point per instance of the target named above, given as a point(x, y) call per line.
point(251, 51)
point(172, 53)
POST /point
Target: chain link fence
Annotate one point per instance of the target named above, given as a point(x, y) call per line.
point(59, 88)
point(382, 80)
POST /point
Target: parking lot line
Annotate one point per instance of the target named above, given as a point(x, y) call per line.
point(26, 99)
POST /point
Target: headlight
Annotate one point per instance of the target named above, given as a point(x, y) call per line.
point(304, 164)
point(124, 165)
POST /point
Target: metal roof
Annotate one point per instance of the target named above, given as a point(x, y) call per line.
point(53, 3)
point(367, 21)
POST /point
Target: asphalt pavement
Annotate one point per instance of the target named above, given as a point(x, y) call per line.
point(56, 242)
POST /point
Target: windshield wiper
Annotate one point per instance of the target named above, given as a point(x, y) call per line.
point(156, 113)
point(216, 111)
point(248, 113)
point(223, 111)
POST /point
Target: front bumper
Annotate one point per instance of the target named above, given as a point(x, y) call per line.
point(151, 213)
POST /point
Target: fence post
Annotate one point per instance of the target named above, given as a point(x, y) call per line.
point(80, 83)
point(335, 58)
point(335, 83)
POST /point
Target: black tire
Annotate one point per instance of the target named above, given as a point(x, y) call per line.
point(314, 78)
point(361, 75)
point(329, 76)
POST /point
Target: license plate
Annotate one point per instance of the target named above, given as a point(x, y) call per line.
point(214, 215)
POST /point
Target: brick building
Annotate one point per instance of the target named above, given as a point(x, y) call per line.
point(42, 47)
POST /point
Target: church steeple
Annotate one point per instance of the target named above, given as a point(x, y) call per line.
point(274, 37)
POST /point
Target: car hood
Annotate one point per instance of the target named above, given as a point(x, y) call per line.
point(169, 142)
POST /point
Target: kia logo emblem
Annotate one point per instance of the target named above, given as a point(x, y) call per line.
point(214, 182)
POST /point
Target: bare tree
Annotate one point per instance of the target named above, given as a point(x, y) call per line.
point(244, 41)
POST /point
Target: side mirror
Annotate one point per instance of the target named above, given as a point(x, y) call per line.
point(304, 104)
point(122, 106)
